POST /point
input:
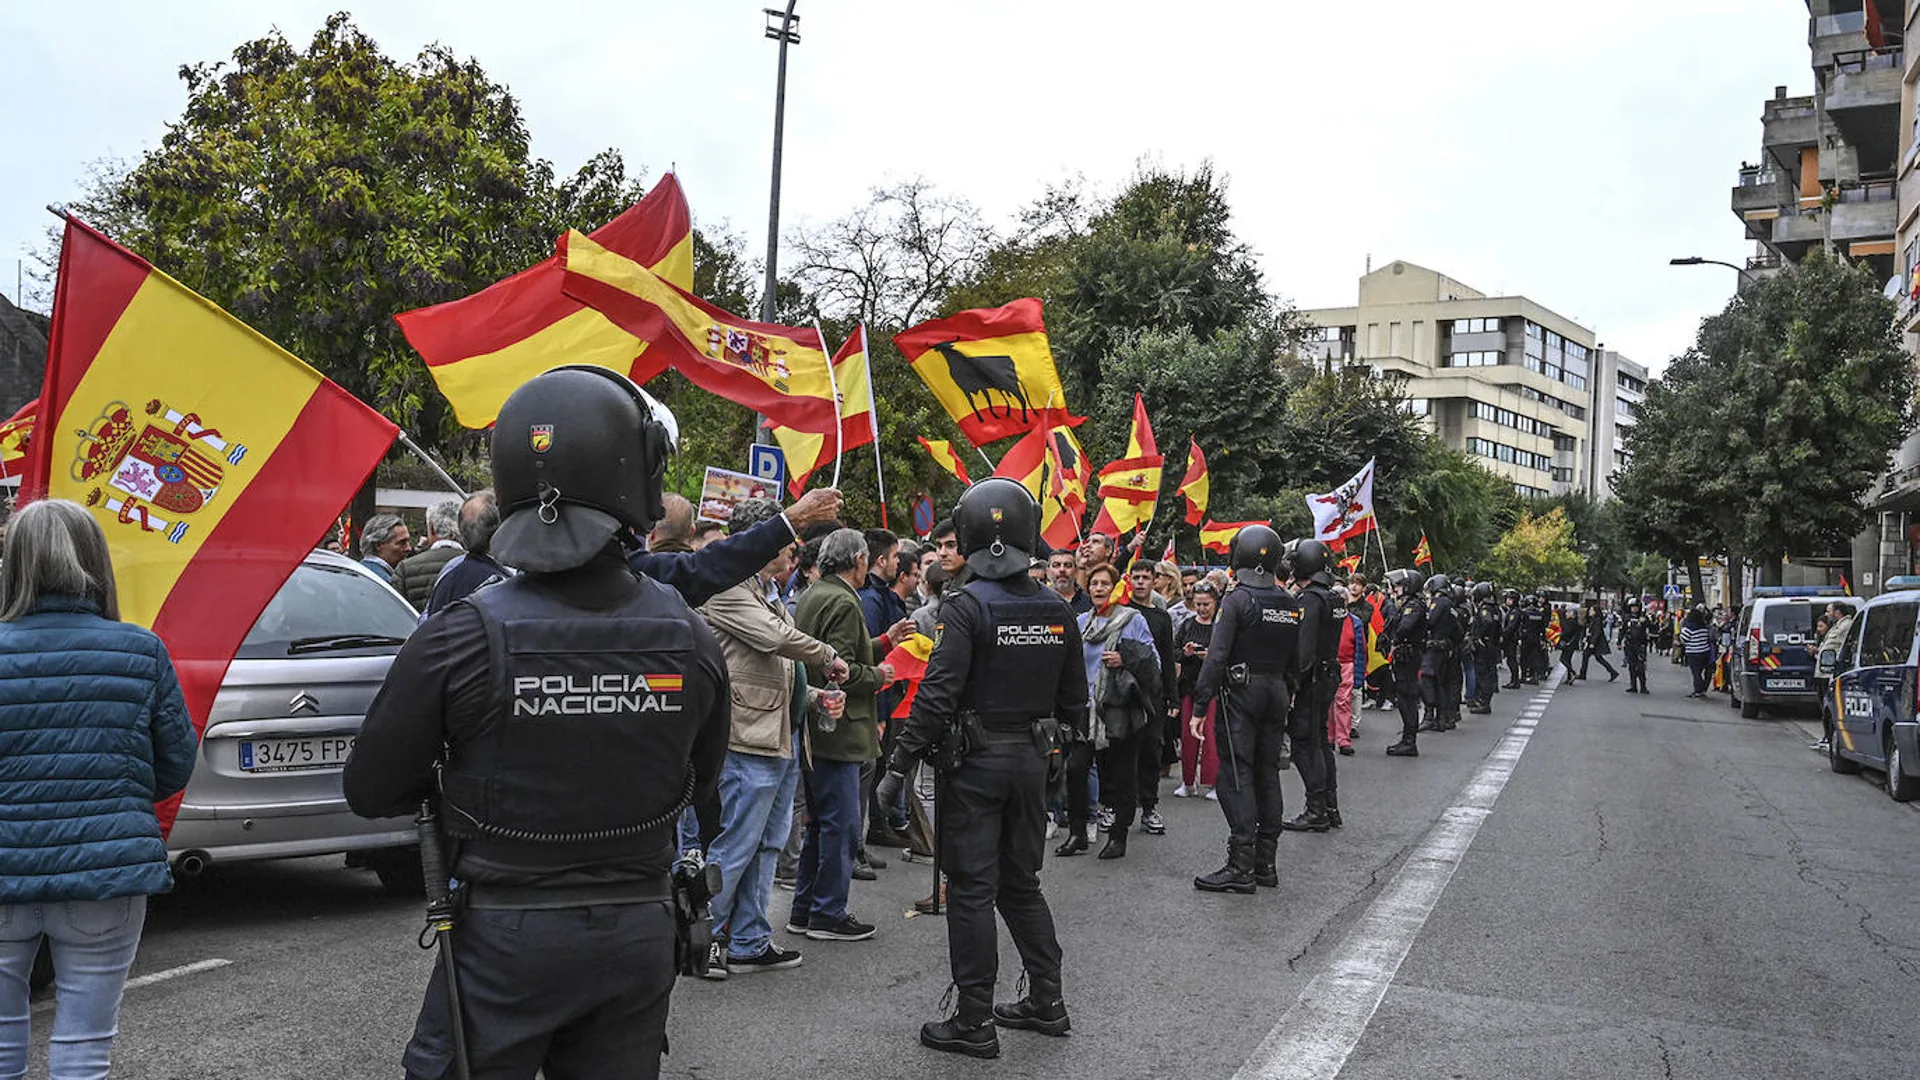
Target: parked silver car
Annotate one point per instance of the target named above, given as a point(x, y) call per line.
point(267, 784)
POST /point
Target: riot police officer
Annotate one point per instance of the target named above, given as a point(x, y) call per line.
point(1253, 656)
point(563, 719)
point(1484, 645)
point(1440, 664)
point(1534, 662)
point(1408, 635)
point(1319, 676)
point(1007, 678)
point(1510, 628)
point(1636, 635)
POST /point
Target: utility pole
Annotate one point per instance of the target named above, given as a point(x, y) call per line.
point(784, 28)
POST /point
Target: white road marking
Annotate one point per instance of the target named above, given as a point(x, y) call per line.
point(194, 968)
point(1313, 1040)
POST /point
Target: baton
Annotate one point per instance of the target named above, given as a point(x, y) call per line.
point(440, 916)
point(939, 836)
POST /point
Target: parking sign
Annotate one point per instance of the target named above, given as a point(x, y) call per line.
point(768, 463)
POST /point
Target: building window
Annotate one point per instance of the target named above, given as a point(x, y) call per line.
point(1563, 443)
point(1418, 406)
point(1487, 448)
point(1625, 408)
point(1638, 386)
point(1562, 476)
point(1476, 326)
point(1575, 411)
point(1474, 359)
point(1533, 330)
point(1578, 382)
point(1527, 491)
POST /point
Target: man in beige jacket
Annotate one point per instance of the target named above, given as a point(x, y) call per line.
point(766, 660)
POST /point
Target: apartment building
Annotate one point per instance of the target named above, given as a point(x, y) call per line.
point(1619, 389)
point(1500, 377)
point(1892, 548)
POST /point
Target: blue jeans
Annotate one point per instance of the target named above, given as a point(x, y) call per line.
point(756, 816)
point(93, 945)
point(833, 831)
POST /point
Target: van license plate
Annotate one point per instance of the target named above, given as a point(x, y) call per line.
point(291, 755)
point(1786, 684)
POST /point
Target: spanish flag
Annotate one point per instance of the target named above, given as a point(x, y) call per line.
point(1350, 563)
point(945, 457)
point(1376, 628)
point(909, 660)
point(1553, 629)
point(1423, 552)
point(777, 371)
point(1130, 487)
point(809, 451)
point(1217, 536)
point(16, 435)
point(1035, 463)
point(1196, 486)
point(481, 348)
point(213, 459)
point(991, 369)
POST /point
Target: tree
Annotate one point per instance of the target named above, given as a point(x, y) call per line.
point(1455, 501)
point(1535, 554)
point(1598, 537)
point(316, 192)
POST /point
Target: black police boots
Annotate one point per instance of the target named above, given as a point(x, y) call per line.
point(1333, 807)
point(1313, 818)
point(1265, 848)
point(968, 1031)
point(1042, 1010)
point(1238, 875)
point(1116, 844)
point(1404, 748)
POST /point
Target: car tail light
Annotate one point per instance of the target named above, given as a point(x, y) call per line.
point(1754, 648)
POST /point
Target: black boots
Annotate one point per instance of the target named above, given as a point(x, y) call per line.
point(1313, 818)
point(1076, 843)
point(1238, 875)
point(1333, 807)
point(1406, 747)
point(1116, 843)
point(1265, 848)
point(1042, 1010)
point(968, 1031)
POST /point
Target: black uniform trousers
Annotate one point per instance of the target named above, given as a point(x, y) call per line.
point(1250, 726)
point(1407, 694)
point(1313, 752)
point(573, 993)
point(993, 835)
point(1636, 668)
point(1486, 662)
point(1452, 682)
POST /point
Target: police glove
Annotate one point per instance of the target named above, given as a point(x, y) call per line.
point(887, 791)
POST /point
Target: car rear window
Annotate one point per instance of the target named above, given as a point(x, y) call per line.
point(1888, 637)
point(1787, 624)
point(320, 602)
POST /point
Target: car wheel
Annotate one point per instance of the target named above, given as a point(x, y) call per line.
point(1733, 691)
point(42, 976)
point(1900, 786)
point(1750, 710)
point(1837, 761)
point(399, 871)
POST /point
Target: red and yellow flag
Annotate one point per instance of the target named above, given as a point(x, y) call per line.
point(1217, 536)
point(1376, 628)
point(991, 369)
point(945, 457)
point(909, 660)
point(1423, 552)
point(1036, 462)
point(1350, 563)
point(16, 435)
point(481, 348)
point(1130, 487)
point(214, 459)
point(809, 451)
point(1196, 485)
point(1553, 629)
point(777, 371)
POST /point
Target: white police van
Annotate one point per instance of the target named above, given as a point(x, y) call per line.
point(1774, 644)
point(1871, 719)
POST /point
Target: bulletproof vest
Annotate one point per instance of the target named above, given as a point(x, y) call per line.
point(584, 738)
point(1635, 633)
point(1018, 650)
point(1330, 610)
point(1411, 629)
point(1486, 626)
point(1443, 624)
point(1534, 623)
point(1268, 631)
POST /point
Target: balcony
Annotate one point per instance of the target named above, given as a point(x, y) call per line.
point(1863, 99)
point(1864, 212)
point(1788, 125)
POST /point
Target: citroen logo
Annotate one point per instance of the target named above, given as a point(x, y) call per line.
point(304, 702)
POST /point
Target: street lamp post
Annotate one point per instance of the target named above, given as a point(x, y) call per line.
point(1695, 260)
point(784, 28)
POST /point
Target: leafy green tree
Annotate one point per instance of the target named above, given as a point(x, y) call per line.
point(1458, 504)
point(1537, 553)
point(1598, 537)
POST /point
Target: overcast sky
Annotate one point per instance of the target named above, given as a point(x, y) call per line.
point(1561, 151)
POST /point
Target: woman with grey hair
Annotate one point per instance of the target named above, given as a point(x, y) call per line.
point(94, 732)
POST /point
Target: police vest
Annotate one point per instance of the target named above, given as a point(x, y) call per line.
point(1330, 611)
point(583, 755)
point(1019, 648)
point(1443, 624)
point(1267, 631)
point(1411, 630)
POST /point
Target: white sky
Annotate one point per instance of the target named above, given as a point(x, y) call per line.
point(1563, 151)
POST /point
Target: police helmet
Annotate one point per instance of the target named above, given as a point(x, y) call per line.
point(1483, 591)
point(578, 454)
point(1633, 607)
point(1255, 555)
point(997, 522)
point(1404, 582)
point(1438, 584)
point(1310, 562)
point(1459, 593)
point(1510, 596)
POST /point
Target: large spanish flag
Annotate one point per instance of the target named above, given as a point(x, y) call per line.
point(1033, 462)
point(1196, 485)
point(1217, 536)
point(16, 435)
point(1130, 487)
point(481, 348)
point(809, 451)
point(991, 369)
point(777, 371)
point(214, 459)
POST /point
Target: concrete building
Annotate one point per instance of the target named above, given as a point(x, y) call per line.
point(1894, 546)
point(1500, 377)
point(1619, 388)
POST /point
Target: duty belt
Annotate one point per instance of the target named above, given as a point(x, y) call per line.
point(1266, 669)
point(544, 897)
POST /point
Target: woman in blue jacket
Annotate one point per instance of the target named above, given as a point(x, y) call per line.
point(93, 731)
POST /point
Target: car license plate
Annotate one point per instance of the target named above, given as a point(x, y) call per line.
point(1786, 684)
point(290, 755)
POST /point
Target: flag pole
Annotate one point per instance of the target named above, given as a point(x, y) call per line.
point(873, 423)
point(833, 384)
point(407, 441)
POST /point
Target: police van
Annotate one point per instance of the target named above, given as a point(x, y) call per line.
point(1871, 720)
point(1774, 647)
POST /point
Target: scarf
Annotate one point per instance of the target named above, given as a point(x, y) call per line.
point(1101, 629)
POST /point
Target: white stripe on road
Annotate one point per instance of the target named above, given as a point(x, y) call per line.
point(1313, 1040)
point(157, 977)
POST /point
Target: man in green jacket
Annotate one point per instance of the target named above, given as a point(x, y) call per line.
point(830, 612)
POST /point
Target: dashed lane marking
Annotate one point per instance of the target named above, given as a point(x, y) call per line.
point(194, 968)
point(1315, 1037)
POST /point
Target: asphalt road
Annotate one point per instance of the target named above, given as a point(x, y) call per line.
point(1609, 886)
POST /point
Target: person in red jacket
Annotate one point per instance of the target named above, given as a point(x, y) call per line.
point(1340, 720)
